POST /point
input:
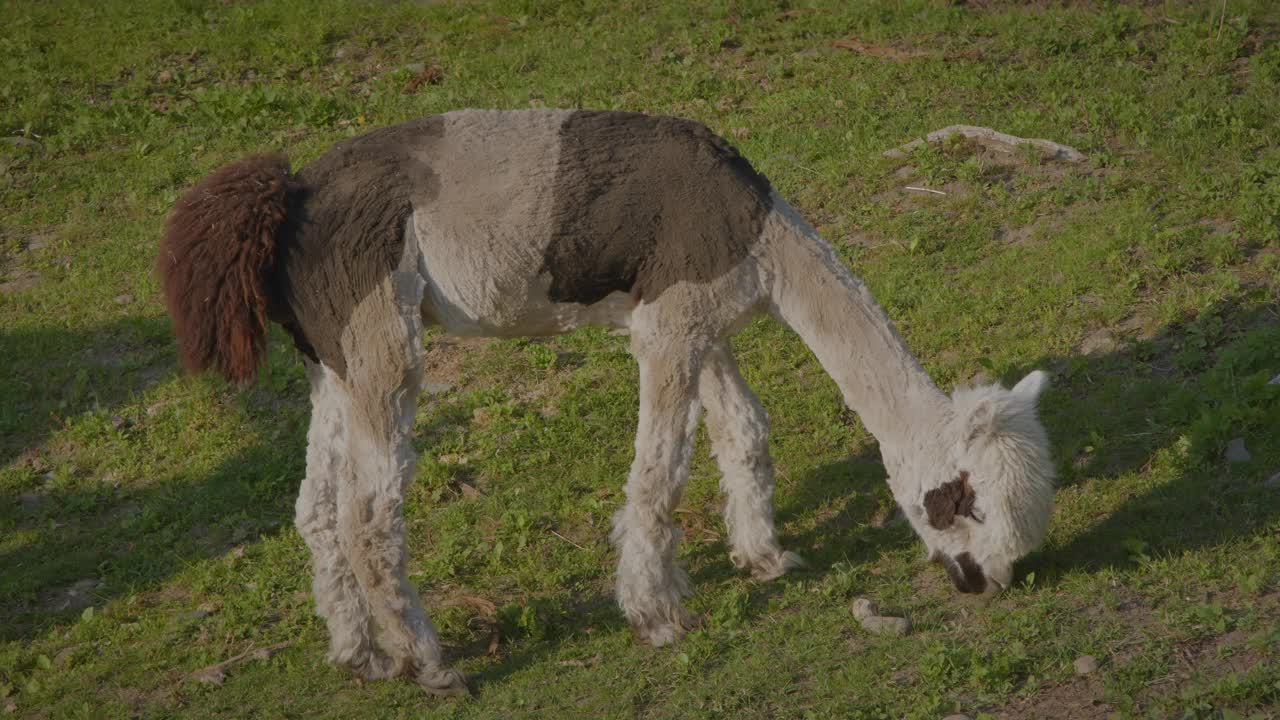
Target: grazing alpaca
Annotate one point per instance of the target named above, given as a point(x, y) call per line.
point(535, 223)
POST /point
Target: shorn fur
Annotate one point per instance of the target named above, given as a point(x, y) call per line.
point(538, 222)
point(213, 263)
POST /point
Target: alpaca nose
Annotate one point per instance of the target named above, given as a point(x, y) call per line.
point(966, 574)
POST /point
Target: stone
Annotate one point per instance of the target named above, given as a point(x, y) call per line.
point(1085, 664)
point(881, 625)
point(1097, 342)
point(436, 387)
point(1237, 452)
point(864, 608)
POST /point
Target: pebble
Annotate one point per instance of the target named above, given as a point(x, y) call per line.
point(1237, 452)
point(957, 716)
point(436, 387)
point(864, 608)
point(881, 625)
point(1085, 664)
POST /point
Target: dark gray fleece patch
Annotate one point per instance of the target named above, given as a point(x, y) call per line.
point(346, 231)
point(642, 202)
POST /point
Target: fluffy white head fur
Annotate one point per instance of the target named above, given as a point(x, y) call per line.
point(1001, 479)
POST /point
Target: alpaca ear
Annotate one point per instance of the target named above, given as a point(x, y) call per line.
point(981, 420)
point(1032, 385)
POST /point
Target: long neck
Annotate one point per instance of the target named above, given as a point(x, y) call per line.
point(853, 339)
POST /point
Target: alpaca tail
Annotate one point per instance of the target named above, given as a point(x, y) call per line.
point(215, 264)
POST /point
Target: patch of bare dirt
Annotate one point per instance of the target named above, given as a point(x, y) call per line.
point(76, 596)
point(20, 282)
point(1012, 171)
point(882, 52)
point(445, 358)
point(1080, 699)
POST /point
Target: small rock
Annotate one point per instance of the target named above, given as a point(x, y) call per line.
point(164, 76)
point(199, 613)
point(32, 500)
point(19, 284)
point(20, 141)
point(341, 53)
point(416, 68)
point(905, 172)
point(1274, 381)
point(957, 716)
point(1098, 341)
point(214, 675)
point(38, 242)
point(864, 608)
point(1237, 452)
point(881, 625)
point(121, 423)
point(124, 299)
point(1085, 664)
point(436, 387)
point(63, 658)
point(1274, 480)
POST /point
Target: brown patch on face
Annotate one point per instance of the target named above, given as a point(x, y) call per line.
point(347, 230)
point(945, 502)
point(643, 202)
point(215, 262)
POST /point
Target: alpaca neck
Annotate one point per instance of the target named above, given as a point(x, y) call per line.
point(854, 340)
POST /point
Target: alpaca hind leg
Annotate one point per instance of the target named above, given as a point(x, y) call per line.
point(739, 430)
point(650, 585)
point(339, 598)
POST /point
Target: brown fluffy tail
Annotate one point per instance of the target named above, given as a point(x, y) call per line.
point(215, 262)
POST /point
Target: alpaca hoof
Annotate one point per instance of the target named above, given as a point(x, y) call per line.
point(776, 566)
point(443, 681)
point(659, 633)
point(367, 667)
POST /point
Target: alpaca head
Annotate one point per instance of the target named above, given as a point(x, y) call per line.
point(990, 502)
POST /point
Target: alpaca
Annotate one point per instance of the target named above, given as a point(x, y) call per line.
point(537, 222)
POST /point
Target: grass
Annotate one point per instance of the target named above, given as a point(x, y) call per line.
point(146, 530)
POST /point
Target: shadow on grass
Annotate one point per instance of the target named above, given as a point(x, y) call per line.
point(79, 537)
point(1175, 402)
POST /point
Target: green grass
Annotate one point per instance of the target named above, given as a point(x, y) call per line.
point(145, 529)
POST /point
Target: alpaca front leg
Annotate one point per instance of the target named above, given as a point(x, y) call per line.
point(739, 430)
point(649, 584)
point(371, 528)
point(339, 598)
